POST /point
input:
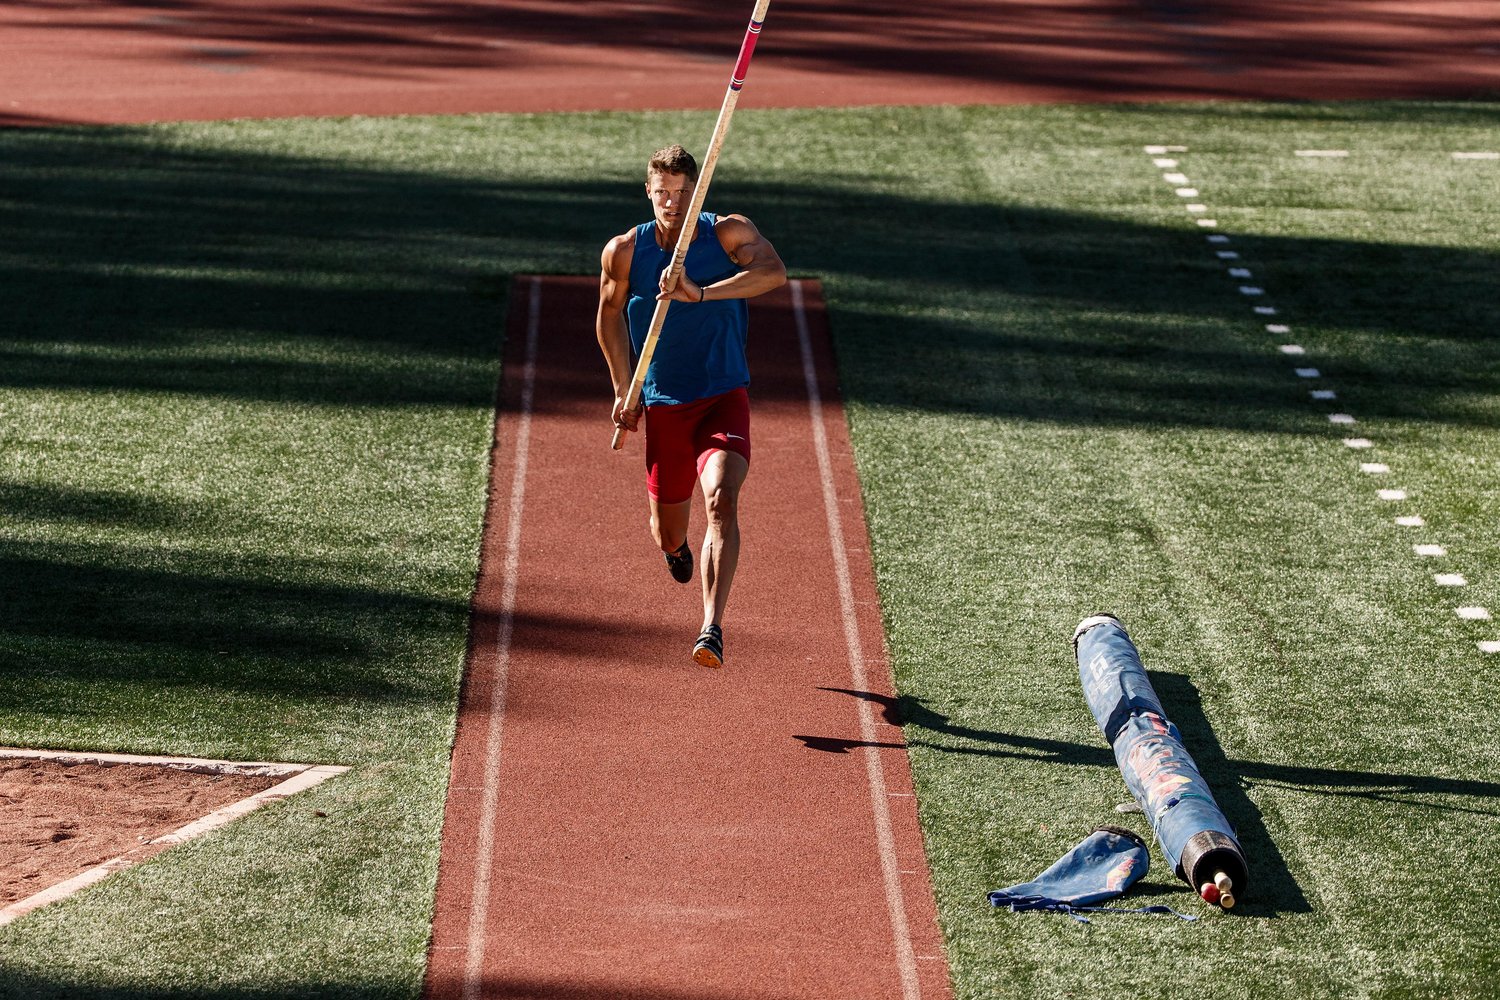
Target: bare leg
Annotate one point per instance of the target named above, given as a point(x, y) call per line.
point(669, 523)
point(722, 478)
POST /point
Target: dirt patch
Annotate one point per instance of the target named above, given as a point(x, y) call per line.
point(58, 820)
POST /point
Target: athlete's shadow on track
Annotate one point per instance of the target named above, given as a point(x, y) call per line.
point(1276, 890)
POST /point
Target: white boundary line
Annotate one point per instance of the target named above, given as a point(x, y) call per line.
point(199, 765)
point(484, 868)
point(297, 778)
point(905, 957)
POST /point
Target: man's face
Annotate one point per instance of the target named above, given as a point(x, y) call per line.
point(670, 195)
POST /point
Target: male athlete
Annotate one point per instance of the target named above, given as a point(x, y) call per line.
point(696, 408)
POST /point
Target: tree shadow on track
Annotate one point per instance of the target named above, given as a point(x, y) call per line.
point(1105, 51)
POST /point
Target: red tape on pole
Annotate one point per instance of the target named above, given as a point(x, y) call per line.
point(747, 49)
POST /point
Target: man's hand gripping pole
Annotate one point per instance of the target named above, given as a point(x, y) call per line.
point(690, 226)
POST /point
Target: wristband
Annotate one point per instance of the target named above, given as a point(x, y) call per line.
point(702, 291)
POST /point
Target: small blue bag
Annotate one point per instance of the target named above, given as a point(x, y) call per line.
point(1105, 864)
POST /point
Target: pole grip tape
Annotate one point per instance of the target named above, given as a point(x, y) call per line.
point(747, 49)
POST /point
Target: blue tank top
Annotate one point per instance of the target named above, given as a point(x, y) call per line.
point(701, 351)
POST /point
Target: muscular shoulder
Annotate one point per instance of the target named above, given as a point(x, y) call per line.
point(742, 241)
point(617, 254)
point(734, 230)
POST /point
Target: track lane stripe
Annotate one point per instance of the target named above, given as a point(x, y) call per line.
point(875, 772)
point(484, 867)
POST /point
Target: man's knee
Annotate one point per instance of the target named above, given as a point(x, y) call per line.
point(722, 504)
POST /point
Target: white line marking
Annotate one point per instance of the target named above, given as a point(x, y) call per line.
point(1473, 614)
point(1218, 238)
point(1240, 272)
point(198, 765)
point(1323, 394)
point(1208, 223)
point(304, 776)
point(1292, 349)
point(1374, 468)
point(1450, 580)
point(1486, 155)
point(1278, 328)
point(484, 867)
point(1251, 290)
point(1265, 310)
point(1429, 550)
point(1410, 521)
point(1337, 418)
point(1175, 178)
point(895, 903)
point(1308, 373)
point(1323, 152)
point(1391, 494)
point(1358, 443)
point(1163, 163)
point(1227, 254)
point(1187, 192)
point(1489, 645)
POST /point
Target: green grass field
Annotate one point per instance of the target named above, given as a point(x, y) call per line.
point(246, 377)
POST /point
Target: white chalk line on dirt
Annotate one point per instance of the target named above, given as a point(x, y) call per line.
point(906, 960)
point(296, 778)
point(484, 866)
point(1176, 176)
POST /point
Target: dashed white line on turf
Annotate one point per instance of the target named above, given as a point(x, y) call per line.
point(1180, 180)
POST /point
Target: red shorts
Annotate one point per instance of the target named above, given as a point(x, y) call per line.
point(680, 438)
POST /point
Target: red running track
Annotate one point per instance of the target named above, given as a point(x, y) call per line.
point(622, 823)
point(152, 60)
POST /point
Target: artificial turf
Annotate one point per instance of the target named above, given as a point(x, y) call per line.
point(248, 371)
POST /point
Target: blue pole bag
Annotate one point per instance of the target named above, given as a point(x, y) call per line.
point(1101, 867)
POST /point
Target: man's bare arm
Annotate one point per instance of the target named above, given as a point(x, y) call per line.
point(610, 326)
point(761, 268)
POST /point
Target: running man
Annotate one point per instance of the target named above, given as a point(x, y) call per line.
point(697, 411)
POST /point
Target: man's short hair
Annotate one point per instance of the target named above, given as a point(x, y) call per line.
point(672, 159)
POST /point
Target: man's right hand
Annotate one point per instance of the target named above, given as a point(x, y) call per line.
point(625, 419)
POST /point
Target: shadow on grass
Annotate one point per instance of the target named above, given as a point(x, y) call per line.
point(81, 614)
point(148, 261)
point(30, 986)
point(1230, 779)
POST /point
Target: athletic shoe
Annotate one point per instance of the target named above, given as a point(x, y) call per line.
point(680, 563)
point(708, 651)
